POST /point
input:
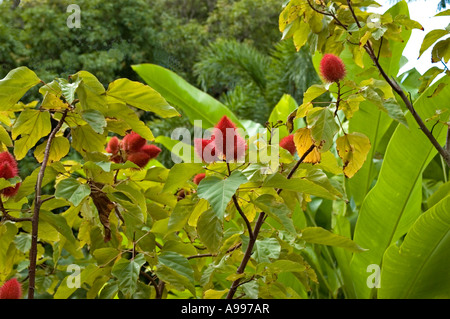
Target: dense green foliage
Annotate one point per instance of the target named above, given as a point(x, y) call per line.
point(352, 203)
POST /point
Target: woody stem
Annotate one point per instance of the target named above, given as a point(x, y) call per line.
point(37, 207)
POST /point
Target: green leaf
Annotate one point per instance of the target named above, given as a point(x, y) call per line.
point(313, 92)
point(140, 96)
point(196, 104)
point(418, 269)
point(28, 186)
point(300, 34)
point(14, 85)
point(266, 249)
point(72, 190)
point(170, 144)
point(277, 210)
point(90, 91)
point(31, 125)
point(60, 147)
point(87, 276)
point(179, 174)
point(86, 140)
point(394, 203)
point(301, 185)
point(68, 89)
point(210, 230)
point(4, 137)
point(95, 119)
point(218, 191)
point(127, 273)
point(323, 127)
point(180, 215)
point(441, 51)
point(319, 235)
point(175, 269)
point(59, 223)
point(123, 113)
point(430, 38)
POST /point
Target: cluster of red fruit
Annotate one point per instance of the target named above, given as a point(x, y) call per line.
point(133, 148)
point(225, 141)
point(12, 289)
point(8, 169)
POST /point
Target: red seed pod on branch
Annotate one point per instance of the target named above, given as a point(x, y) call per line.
point(11, 289)
point(8, 169)
point(205, 149)
point(151, 150)
point(133, 142)
point(332, 68)
point(113, 145)
point(198, 178)
point(288, 143)
point(227, 139)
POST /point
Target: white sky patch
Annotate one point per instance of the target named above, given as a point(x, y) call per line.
point(423, 12)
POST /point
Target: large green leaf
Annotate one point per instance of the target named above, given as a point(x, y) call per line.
point(176, 270)
point(90, 91)
point(196, 104)
point(16, 83)
point(72, 190)
point(419, 268)
point(210, 230)
point(141, 96)
point(302, 185)
point(277, 210)
point(127, 272)
point(218, 191)
point(319, 235)
point(121, 112)
point(394, 203)
point(31, 125)
point(179, 174)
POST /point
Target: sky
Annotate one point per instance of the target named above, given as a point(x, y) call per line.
point(423, 12)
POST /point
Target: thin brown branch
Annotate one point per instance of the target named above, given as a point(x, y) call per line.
point(37, 207)
point(247, 222)
point(397, 89)
point(258, 225)
point(7, 216)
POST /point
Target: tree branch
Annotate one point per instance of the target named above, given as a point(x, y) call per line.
point(7, 216)
point(259, 222)
point(37, 207)
point(397, 89)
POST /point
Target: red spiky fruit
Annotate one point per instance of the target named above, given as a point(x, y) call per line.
point(8, 169)
point(198, 178)
point(288, 143)
point(113, 145)
point(12, 289)
point(139, 158)
point(332, 68)
point(227, 139)
point(133, 142)
point(150, 149)
point(205, 149)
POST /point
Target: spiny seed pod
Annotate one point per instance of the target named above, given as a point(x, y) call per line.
point(205, 149)
point(332, 68)
point(288, 143)
point(113, 145)
point(12, 289)
point(150, 149)
point(226, 144)
point(133, 142)
point(8, 169)
point(198, 178)
point(139, 158)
